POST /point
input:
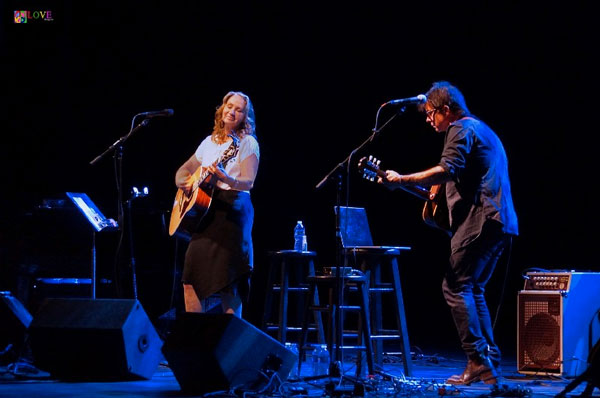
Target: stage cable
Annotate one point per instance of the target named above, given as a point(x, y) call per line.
point(174, 283)
point(502, 291)
point(118, 170)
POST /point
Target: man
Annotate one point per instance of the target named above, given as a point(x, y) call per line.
point(474, 170)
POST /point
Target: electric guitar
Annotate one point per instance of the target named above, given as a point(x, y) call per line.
point(435, 211)
point(189, 208)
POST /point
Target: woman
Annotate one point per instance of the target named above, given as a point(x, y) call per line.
point(219, 255)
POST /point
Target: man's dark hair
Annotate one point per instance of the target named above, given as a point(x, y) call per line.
point(443, 93)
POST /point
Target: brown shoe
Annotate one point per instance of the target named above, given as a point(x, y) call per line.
point(478, 369)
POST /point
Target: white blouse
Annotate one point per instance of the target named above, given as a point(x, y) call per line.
point(208, 152)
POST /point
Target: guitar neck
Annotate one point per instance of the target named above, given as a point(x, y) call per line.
point(417, 190)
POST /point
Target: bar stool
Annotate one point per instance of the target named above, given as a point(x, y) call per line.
point(380, 266)
point(295, 266)
point(357, 283)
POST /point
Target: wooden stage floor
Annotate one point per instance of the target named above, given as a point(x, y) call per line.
point(430, 372)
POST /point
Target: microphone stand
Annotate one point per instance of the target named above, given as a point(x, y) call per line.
point(335, 363)
point(120, 141)
point(131, 253)
point(117, 148)
point(134, 195)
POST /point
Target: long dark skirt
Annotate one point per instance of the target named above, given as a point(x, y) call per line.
point(219, 257)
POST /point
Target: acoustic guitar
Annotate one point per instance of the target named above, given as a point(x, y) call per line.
point(435, 211)
point(189, 208)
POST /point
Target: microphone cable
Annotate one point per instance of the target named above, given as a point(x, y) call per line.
point(502, 291)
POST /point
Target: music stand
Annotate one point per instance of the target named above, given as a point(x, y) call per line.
point(98, 222)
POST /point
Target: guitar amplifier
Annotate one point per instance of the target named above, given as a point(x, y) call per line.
point(561, 281)
point(558, 322)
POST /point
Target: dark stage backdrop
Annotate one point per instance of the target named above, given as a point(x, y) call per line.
point(316, 75)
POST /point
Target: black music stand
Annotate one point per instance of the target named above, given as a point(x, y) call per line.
point(98, 222)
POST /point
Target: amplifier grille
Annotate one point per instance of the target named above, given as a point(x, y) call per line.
point(540, 324)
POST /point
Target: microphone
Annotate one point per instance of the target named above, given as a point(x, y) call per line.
point(419, 99)
point(163, 113)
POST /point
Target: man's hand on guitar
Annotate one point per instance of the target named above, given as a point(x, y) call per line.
point(392, 180)
point(370, 169)
point(433, 215)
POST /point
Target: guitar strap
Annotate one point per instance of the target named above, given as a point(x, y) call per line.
point(231, 151)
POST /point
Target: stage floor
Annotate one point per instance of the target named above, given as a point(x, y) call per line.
point(430, 372)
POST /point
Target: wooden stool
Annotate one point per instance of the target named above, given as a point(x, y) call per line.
point(372, 262)
point(356, 282)
point(299, 265)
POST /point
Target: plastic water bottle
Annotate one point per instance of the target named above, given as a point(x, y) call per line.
point(320, 360)
point(293, 347)
point(300, 237)
point(315, 360)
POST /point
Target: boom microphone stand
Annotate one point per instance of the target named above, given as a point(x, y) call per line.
point(117, 149)
point(335, 361)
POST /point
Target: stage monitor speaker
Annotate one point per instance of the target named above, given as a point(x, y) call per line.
point(215, 352)
point(94, 339)
point(557, 328)
point(15, 320)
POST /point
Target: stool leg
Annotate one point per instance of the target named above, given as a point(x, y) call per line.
point(401, 318)
point(360, 355)
point(312, 291)
point(372, 270)
point(366, 329)
point(377, 313)
point(331, 324)
point(316, 314)
point(267, 308)
point(283, 302)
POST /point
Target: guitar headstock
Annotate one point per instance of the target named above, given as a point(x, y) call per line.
point(369, 167)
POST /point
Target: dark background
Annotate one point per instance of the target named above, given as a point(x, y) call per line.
point(317, 75)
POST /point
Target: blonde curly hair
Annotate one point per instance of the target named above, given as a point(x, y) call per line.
point(246, 126)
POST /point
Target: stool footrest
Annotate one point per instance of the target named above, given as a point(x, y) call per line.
point(350, 307)
point(290, 328)
point(384, 336)
point(382, 284)
point(385, 331)
point(382, 290)
point(277, 288)
point(351, 347)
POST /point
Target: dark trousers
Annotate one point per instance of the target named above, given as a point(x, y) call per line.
point(464, 286)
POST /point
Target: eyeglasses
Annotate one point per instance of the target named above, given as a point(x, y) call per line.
point(429, 114)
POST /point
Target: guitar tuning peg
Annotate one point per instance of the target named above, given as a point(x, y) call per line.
point(370, 157)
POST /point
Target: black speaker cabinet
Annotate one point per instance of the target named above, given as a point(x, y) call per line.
point(214, 352)
point(557, 329)
point(94, 339)
point(15, 319)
